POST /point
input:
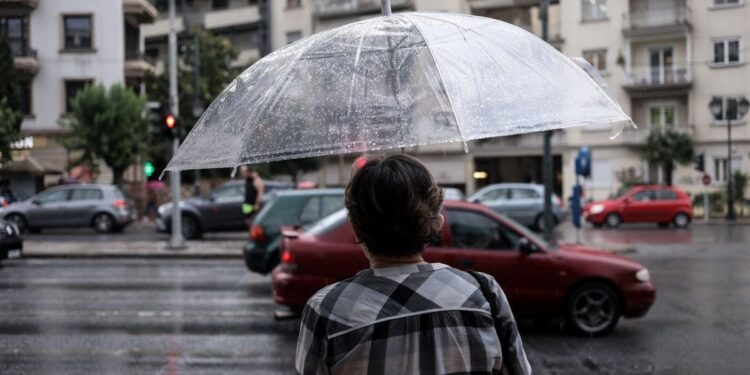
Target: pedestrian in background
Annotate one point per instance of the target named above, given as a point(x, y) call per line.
point(403, 315)
point(253, 194)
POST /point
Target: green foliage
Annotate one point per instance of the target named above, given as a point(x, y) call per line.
point(10, 101)
point(716, 199)
point(740, 181)
point(667, 148)
point(9, 133)
point(108, 125)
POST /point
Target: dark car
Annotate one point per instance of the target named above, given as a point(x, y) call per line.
point(646, 203)
point(294, 208)
point(219, 211)
point(590, 288)
point(11, 243)
point(102, 207)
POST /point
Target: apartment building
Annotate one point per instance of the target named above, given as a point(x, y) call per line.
point(58, 48)
point(245, 23)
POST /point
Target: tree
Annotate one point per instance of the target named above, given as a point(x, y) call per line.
point(739, 185)
point(666, 148)
point(108, 125)
point(10, 101)
point(293, 167)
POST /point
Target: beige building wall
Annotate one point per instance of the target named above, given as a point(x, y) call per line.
point(285, 22)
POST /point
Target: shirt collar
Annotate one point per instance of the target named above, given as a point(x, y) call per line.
point(401, 270)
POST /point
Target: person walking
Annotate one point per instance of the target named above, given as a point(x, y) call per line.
point(404, 315)
point(254, 190)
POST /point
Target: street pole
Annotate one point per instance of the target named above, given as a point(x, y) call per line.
point(706, 209)
point(729, 175)
point(385, 7)
point(175, 239)
point(547, 167)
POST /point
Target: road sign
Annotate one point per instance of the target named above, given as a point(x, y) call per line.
point(706, 179)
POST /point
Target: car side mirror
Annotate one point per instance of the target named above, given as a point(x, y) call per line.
point(36, 202)
point(627, 200)
point(526, 246)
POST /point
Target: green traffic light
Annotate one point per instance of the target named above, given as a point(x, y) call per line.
point(148, 169)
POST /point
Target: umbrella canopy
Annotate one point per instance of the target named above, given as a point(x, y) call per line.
point(394, 81)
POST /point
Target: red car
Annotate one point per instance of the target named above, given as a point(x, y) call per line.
point(648, 203)
point(591, 289)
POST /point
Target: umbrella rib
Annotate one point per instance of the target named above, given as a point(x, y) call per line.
point(356, 63)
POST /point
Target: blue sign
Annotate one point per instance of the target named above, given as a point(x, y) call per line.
point(583, 162)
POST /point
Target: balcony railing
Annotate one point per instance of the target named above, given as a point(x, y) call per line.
point(658, 76)
point(26, 4)
point(332, 8)
point(639, 135)
point(656, 18)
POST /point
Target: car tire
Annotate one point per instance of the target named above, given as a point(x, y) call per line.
point(613, 220)
point(664, 224)
point(593, 309)
point(19, 221)
point(190, 227)
point(539, 222)
point(681, 220)
point(104, 223)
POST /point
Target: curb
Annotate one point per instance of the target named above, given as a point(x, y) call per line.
point(33, 255)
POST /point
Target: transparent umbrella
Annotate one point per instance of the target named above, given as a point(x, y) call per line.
point(395, 81)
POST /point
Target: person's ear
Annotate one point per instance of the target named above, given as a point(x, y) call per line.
point(442, 220)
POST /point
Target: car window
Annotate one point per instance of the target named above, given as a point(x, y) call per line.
point(495, 194)
point(229, 192)
point(54, 196)
point(331, 204)
point(665, 195)
point(473, 230)
point(311, 212)
point(85, 194)
point(118, 194)
point(524, 194)
point(643, 196)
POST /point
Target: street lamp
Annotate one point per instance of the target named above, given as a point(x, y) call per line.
point(738, 112)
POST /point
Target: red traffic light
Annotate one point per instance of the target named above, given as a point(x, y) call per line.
point(170, 121)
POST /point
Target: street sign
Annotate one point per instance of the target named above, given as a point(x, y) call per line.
point(583, 162)
point(706, 179)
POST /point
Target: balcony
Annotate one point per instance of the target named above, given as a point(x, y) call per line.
point(142, 10)
point(25, 61)
point(637, 137)
point(19, 4)
point(136, 64)
point(160, 28)
point(660, 20)
point(343, 8)
point(233, 17)
point(493, 4)
point(645, 81)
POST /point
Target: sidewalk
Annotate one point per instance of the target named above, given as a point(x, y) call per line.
point(132, 249)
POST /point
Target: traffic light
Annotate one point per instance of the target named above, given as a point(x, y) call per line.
point(170, 125)
point(700, 162)
point(148, 169)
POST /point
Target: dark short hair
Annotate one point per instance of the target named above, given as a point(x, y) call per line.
point(394, 206)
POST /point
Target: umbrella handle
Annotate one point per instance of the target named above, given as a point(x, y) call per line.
point(385, 7)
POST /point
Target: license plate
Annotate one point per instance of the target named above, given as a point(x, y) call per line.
point(14, 254)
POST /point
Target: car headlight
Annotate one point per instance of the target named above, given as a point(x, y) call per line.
point(596, 209)
point(643, 275)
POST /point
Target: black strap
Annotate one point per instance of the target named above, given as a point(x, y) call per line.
point(486, 289)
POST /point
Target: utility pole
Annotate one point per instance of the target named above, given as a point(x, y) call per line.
point(189, 23)
point(731, 216)
point(547, 165)
point(176, 241)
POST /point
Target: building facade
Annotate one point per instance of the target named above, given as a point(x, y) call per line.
point(58, 48)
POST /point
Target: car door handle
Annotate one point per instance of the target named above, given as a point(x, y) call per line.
point(466, 263)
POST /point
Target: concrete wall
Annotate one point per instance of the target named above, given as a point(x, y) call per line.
point(285, 20)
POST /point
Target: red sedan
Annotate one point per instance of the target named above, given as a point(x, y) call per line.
point(591, 289)
point(648, 203)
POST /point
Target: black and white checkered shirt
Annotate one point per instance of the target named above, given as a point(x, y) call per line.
point(413, 319)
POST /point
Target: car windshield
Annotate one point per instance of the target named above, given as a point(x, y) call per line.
point(526, 232)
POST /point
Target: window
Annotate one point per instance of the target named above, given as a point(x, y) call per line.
point(332, 204)
point(229, 192)
point(78, 32)
point(85, 194)
point(293, 36)
point(665, 195)
point(729, 108)
point(726, 2)
point(523, 194)
point(644, 196)
point(53, 196)
point(661, 116)
point(293, 4)
point(597, 58)
point(311, 212)
point(219, 4)
point(25, 95)
point(471, 230)
point(593, 10)
point(727, 51)
point(71, 90)
point(720, 167)
point(16, 30)
point(495, 195)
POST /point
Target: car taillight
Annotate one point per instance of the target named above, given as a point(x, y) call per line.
point(287, 257)
point(257, 234)
point(120, 204)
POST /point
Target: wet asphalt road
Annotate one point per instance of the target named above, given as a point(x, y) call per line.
point(210, 316)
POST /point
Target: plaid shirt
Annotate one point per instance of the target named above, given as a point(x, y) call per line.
point(426, 318)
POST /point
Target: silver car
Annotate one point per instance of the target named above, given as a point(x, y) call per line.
point(102, 207)
point(522, 202)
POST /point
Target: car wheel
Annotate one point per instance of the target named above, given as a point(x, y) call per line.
point(593, 309)
point(539, 222)
point(18, 220)
point(681, 220)
point(613, 220)
point(190, 228)
point(664, 225)
point(597, 225)
point(104, 223)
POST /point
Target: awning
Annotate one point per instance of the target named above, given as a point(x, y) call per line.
point(28, 165)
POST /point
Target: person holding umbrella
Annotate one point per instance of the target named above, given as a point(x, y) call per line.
point(254, 190)
point(403, 315)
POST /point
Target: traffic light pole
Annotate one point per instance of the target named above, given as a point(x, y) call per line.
point(547, 164)
point(176, 241)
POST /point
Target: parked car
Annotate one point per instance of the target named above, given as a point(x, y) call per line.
point(11, 243)
point(453, 194)
point(221, 210)
point(646, 203)
point(102, 207)
point(523, 203)
point(590, 288)
point(294, 208)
